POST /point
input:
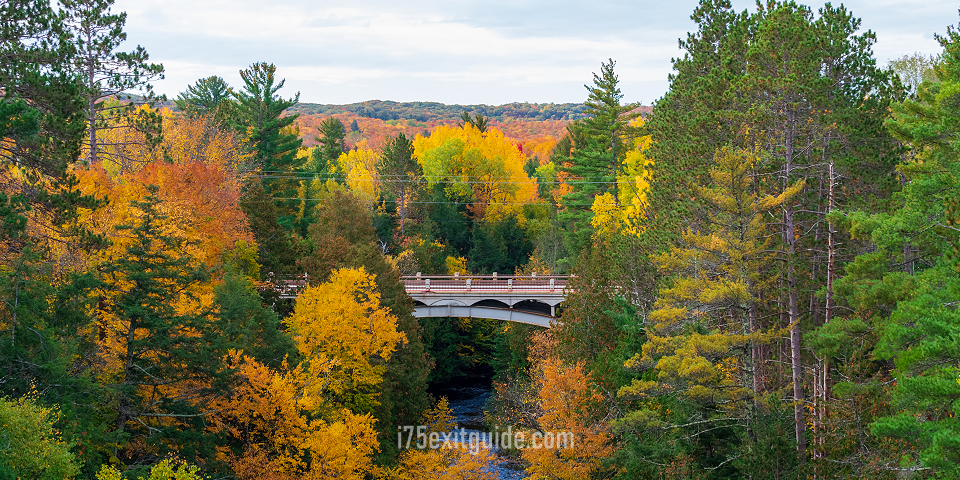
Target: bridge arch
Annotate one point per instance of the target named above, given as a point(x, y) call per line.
point(473, 311)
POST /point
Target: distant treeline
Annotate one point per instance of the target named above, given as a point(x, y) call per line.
point(434, 111)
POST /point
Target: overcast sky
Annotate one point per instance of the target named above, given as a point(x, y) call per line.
point(457, 51)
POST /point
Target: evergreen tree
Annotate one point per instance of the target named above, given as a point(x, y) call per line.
point(400, 174)
point(274, 149)
point(805, 90)
point(704, 337)
point(477, 121)
point(247, 325)
point(166, 354)
point(208, 95)
point(41, 111)
point(918, 256)
point(597, 155)
point(277, 250)
point(109, 76)
point(332, 145)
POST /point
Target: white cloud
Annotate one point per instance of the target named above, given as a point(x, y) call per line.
point(493, 51)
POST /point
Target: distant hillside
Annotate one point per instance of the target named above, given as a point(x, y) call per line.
point(442, 113)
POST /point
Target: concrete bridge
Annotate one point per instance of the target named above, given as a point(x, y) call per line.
point(526, 299)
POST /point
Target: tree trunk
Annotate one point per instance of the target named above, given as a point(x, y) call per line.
point(793, 310)
point(796, 365)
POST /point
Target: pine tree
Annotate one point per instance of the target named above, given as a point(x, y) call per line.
point(208, 95)
point(274, 151)
point(598, 152)
point(326, 156)
point(277, 250)
point(247, 325)
point(160, 340)
point(806, 91)
point(920, 335)
point(42, 107)
point(109, 77)
point(478, 121)
point(400, 174)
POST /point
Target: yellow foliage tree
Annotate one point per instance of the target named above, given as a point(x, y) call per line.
point(704, 337)
point(625, 212)
point(483, 168)
point(127, 148)
point(360, 165)
point(269, 413)
point(342, 321)
point(190, 139)
point(165, 470)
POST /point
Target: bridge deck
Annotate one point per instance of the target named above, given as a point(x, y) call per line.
point(484, 284)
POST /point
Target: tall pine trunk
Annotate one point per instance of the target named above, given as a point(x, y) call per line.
point(793, 310)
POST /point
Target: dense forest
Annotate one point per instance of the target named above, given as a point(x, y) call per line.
point(765, 265)
point(434, 111)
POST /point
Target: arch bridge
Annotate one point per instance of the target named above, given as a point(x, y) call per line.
point(525, 299)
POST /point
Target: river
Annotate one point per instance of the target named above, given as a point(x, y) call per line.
point(467, 400)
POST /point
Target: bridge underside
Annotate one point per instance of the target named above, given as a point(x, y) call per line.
point(482, 311)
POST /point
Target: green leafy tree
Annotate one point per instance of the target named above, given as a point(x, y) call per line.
point(914, 69)
point(500, 246)
point(30, 446)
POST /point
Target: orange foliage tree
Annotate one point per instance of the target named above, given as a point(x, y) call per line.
point(268, 415)
point(196, 169)
point(571, 404)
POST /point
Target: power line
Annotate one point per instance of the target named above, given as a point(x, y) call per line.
point(461, 182)
point(442, 203)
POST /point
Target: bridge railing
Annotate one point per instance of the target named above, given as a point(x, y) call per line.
point(290, 287)
point(484, 283)
point(285, 286)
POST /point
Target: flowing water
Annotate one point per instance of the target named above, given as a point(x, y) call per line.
point(467, 400)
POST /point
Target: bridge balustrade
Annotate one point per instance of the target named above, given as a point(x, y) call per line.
point(484, 283)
